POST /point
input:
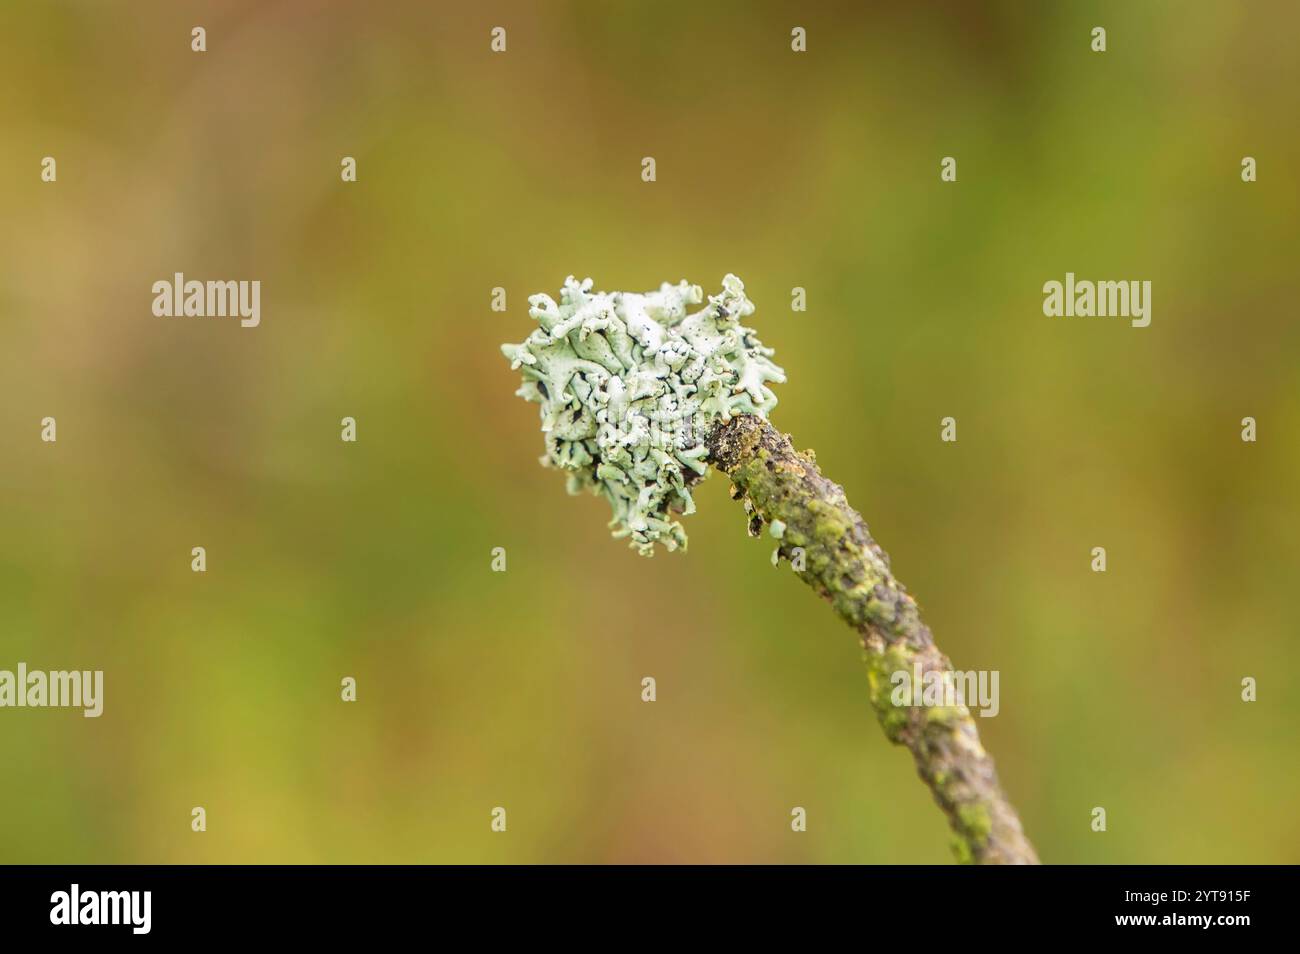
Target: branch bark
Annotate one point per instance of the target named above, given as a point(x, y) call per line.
point(849, 569)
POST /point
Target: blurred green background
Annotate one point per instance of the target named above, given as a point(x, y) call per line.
point(522, 689)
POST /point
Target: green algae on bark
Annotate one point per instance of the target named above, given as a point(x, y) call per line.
point(833, 552)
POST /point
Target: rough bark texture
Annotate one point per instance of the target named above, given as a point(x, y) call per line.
point(849, 569)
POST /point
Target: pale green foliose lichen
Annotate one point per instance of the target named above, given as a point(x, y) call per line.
point(629, 385)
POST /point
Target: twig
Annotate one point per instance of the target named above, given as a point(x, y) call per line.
point(848, 568)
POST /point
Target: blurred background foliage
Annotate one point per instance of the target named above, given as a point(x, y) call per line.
point(521, 689)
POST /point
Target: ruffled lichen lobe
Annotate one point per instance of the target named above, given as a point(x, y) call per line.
point(630, 385)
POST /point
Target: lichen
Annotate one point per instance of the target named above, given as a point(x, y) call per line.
point(629, 385)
